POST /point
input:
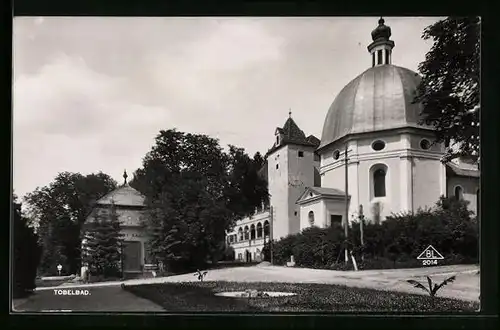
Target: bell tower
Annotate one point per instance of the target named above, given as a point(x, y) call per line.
point(290, 171)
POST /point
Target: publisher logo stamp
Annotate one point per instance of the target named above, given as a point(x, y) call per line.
point(430, 256)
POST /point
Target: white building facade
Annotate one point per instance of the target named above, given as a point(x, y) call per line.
point(392, 165)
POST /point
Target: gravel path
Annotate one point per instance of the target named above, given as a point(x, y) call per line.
point(105, 299)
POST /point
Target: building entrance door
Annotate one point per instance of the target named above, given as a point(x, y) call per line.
point(132, 256)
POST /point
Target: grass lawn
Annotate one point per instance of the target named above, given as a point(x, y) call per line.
point(199, 297)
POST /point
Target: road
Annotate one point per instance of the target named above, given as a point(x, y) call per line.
point(110, 297)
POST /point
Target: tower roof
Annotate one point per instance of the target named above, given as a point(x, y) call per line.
point(382, 31)
point(290, 133)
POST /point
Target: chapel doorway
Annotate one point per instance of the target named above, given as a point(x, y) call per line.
point(132, 256)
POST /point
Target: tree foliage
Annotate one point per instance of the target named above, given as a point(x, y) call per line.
point(58, 210)
point(104, 244)
point(27, 252)
point(195, 191)
point(450, 90)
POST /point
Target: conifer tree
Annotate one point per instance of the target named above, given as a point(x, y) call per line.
point(104, 245)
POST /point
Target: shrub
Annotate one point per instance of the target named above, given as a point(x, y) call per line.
point(396, 242)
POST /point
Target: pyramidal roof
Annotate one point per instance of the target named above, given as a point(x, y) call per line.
point(291, 134)
point(123, 196)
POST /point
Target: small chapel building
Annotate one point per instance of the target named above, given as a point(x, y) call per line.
point(129, 205)
point(373, 153)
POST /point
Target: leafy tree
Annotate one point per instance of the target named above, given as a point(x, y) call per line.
point(26, 252)
point(195, 191)
point(245, 190)
point(58, 210)
point(449, 90)
point(104, 245)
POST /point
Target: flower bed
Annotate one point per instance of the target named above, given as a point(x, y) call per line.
point(201, 297)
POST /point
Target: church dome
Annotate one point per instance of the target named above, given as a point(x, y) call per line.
point(381, 98)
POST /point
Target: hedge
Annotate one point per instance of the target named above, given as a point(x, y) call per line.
point(394, 243)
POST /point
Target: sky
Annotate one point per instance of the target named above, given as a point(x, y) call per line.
point(91, 93)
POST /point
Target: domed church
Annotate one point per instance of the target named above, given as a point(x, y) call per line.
point(372, 151)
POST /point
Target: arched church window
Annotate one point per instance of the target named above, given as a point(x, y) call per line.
point(240, 234)
point(459, 193)
point(387, 56)
point(259, 230)
point(425, 144)
point(246, 233)
point(311, 218)
point(266, 228)
point(336, 154)
point(373, 59)
point(378, 145)
point(252, 231)
point(379, 182)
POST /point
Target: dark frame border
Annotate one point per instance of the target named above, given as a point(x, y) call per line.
point(490, 168)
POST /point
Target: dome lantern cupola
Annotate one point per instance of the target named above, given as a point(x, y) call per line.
point(381, 47)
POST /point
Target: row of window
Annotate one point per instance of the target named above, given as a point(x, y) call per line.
point(379, 145)
point(458, 194)
point(252, 232)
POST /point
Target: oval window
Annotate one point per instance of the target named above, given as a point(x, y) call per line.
point(425, 144)
point(378, 145)
point(336, 154)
